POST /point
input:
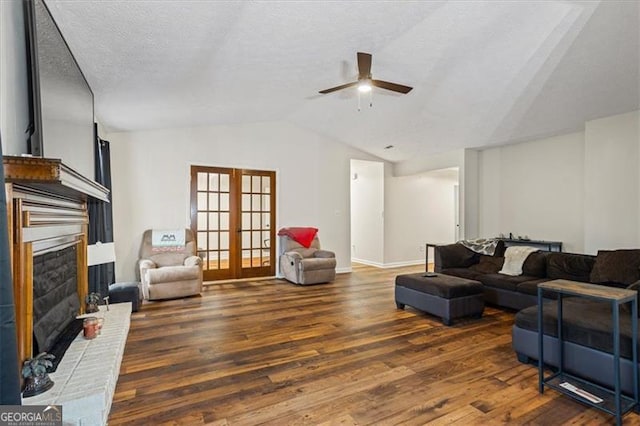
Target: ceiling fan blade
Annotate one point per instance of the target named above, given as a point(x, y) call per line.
point(333, 89)
point(391, 86)
point(364, 65)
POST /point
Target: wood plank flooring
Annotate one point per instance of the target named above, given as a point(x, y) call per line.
point(270, 352)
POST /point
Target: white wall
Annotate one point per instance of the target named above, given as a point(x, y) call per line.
point(612, 187)
point(581, 188)
point(150, 179)
point(14, 101)
point(534, 189)
point(469, 195)
point(466, 161)
point(419, 209)
point(367, 212)
point(420, 164)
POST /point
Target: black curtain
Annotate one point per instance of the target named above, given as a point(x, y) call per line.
point(101, 219)
point(9, 368)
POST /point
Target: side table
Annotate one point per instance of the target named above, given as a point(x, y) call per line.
point(607, 400)
point(426, 254)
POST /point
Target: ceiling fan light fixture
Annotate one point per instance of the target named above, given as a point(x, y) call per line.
point(365, 82)
point(364, 86)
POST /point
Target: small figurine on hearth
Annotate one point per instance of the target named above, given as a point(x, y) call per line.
point(34, 373)
point(92, 300)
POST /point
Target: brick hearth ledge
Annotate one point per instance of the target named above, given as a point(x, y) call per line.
point(86, 377)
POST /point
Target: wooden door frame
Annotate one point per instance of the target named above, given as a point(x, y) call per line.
point(235, 269)
point(221, 274)
point(256, 272)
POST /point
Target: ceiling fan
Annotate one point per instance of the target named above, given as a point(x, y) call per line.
point(365, 82)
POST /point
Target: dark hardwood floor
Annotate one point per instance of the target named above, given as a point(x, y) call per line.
point(270, 352)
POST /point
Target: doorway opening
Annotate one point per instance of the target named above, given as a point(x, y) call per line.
point(394, 217)
point(367, 212)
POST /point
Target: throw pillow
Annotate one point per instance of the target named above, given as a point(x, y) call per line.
point(455, 256)
point(567, 266)
point(535, 265)
point(616, 266)
point(488, 264)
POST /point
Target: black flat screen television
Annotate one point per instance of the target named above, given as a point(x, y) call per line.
point(62, 113)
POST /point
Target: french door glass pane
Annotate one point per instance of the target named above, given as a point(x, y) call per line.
point(224, 202)
point(255, 258)
point(213, 182)
point(256, 239)
point(213, 240)
point(224, 183)
point(213, 221)
point(255, 185)
point(224, 221)
point(246, 202)
point(213, 260)
point(213, 201)
point(202, 201)
point(202, 221)
point(255, 202)
point(246, 258)
point(202, 181)
point(224, 240)
point(202, 241)
point(246, 184)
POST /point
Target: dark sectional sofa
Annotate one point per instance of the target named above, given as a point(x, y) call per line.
point(515, 292)
point(588, 324)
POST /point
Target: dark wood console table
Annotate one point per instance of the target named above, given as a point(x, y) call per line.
point(543, 245)
point(426, 254)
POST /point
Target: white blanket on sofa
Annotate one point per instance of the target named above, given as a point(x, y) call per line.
point(514, 258)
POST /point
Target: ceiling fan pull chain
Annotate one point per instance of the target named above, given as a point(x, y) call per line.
point(358, 101)
point(370, 98)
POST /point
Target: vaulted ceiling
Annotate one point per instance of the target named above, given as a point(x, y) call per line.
point(483, 72)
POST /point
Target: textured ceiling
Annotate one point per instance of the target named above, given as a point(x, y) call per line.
point(483, 72)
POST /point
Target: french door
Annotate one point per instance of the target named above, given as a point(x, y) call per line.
point(233, 216)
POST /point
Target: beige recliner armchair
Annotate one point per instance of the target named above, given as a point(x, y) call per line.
point(169, 274)
point(304, 266)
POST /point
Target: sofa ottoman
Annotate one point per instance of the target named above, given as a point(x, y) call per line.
point(126, 292)
point(442, 295)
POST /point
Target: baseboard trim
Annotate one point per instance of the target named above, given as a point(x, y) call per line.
point(389, 265)
point(367, 262)
point(344, 270)
point(405, 263)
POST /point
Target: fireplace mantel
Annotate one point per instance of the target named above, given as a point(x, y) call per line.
point(47, 210)
point(51, 175)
